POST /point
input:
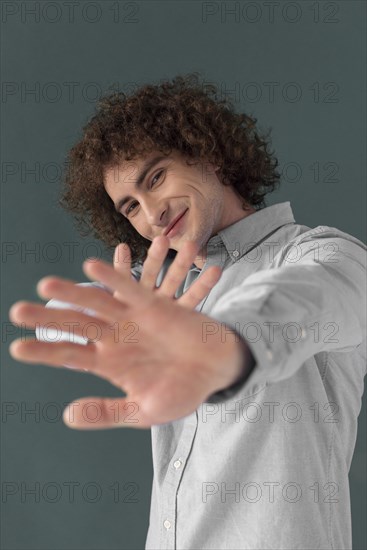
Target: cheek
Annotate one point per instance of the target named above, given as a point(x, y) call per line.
point(141, 226)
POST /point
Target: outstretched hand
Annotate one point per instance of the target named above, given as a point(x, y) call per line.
point(176, 273)
point(173, 361)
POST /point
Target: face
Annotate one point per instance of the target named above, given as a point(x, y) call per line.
point(155, 191)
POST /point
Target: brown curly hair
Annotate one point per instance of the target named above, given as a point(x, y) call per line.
point(181, 115)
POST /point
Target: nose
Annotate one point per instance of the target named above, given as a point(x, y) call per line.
point(155, 211)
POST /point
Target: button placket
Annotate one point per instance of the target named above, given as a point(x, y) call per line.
point(177, 464)
point(168, 512)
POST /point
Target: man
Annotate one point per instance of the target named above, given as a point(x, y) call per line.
point(253, 398)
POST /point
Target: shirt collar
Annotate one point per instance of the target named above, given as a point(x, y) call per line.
point(243, 235)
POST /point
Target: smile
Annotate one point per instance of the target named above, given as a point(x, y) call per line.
point(177, 225)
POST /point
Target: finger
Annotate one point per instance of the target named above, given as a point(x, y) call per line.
point(122, 264)
point(157, 253)
point(200, 288)
point(55, 354)
point(36, 316)
point(178, 269)
point(102, 303)
point(97, 413)
point(122, 259)
point(134, 295)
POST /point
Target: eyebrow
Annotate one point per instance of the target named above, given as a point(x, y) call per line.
point(147, 166)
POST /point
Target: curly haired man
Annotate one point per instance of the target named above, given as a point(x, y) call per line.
point(249, 356)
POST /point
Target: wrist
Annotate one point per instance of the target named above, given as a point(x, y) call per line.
point(242, 366)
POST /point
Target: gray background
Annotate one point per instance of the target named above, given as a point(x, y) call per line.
point(312, 52)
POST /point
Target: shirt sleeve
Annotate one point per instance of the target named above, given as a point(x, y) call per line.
point(311, 299)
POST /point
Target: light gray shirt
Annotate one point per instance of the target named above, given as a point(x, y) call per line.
point(268, 468)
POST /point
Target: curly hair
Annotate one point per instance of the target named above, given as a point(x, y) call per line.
point(181, 115)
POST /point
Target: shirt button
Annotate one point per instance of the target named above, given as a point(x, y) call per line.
point(269, 355)
point(235, 253)
point(177, 464)
point(167, 524)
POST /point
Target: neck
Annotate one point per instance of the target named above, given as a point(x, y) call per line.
point(202, 256)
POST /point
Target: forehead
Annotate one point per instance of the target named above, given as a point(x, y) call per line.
point(127, 171)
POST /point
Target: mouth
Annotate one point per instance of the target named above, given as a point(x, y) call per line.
point(175, 225)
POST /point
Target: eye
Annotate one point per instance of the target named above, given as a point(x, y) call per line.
point(128, 209)
point(158, 174)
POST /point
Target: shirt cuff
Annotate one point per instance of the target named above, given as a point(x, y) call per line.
point(231, 391)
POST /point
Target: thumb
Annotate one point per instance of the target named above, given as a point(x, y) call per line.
point(96, 413)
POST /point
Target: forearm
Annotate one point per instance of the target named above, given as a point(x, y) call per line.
point(237, 376)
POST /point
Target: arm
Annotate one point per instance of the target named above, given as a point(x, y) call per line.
point(297, 309)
